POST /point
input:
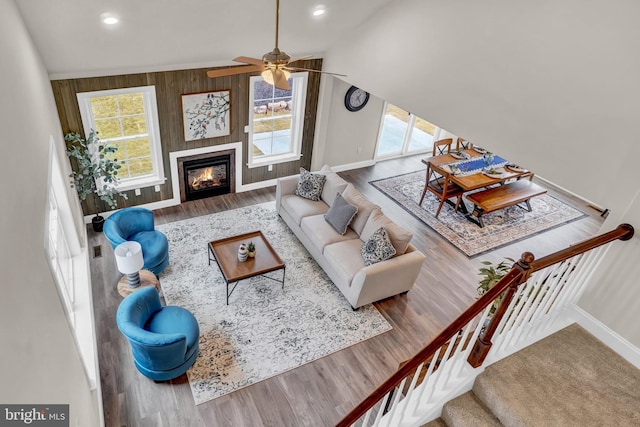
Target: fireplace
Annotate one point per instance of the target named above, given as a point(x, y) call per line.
point(206, 175)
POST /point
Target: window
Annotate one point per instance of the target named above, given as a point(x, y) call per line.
point(127, 118)
point(403, 133)
point(276, 119)
point(60, 258)
point(66, 253)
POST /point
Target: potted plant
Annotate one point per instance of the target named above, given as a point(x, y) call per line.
point(491, 274)
point(96, 172)
point(251, 250)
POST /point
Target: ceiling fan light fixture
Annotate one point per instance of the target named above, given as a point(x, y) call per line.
point(275, 66)
point(267, 75)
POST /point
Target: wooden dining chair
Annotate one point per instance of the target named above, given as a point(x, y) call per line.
point(442, 146)
point(438, 181)
point(463, 144)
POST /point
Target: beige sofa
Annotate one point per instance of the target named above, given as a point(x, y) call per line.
point(339, 255)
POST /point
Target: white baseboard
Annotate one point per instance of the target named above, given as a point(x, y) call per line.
point(258, 185)
point(609, 337)
point(357, 165)
point(173, 202)
point(564, 190)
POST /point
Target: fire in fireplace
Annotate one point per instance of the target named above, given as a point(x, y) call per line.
point(207, 176)
point(200, 179)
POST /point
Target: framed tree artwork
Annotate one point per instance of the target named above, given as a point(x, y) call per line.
point(206, 115)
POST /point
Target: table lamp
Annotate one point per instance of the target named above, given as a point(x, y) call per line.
point(130, 261)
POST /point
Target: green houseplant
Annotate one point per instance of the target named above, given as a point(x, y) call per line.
point(490, 275)
point(96, 172)
point(251, 249)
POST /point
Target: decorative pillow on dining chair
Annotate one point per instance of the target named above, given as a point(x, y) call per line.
point(310, 185)
point(377, 248)
point(340, 214)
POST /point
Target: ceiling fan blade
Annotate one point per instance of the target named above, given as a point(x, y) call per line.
point(315, 71)
point(248, 60)
point(232, 71)
point(300, 59)
point(280, 80)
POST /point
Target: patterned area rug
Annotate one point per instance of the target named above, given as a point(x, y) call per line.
point(501, 228)
point(265, 330)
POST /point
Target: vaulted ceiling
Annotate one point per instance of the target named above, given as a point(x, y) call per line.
point(168, 34)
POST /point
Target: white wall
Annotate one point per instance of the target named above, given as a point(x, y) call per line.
point(40, 363)
point(345, 137)
point(550, 84)
point(614, 295)
point(524, 79)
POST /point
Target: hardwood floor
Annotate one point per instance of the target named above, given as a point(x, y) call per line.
point(321, 392)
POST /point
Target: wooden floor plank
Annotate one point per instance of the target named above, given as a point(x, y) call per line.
point(321, 392)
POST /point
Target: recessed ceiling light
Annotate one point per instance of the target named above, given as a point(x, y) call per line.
point(319, 11)
point(109, 19)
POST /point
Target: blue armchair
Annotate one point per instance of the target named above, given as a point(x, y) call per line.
point(164, 340)
point(137, 224)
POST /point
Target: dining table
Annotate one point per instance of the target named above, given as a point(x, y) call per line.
point(468, 169)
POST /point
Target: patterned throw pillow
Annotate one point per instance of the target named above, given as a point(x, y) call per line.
point(310, 185)
point(377, 248)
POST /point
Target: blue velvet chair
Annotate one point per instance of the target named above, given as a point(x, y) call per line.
point(137, 224)
point(164, 340)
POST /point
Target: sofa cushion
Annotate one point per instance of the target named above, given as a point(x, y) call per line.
point(340, 214)
point(310, 185)
point(399, 236)
point(365, 207)
point(333, 185)
point(377, 248)
point(299, 207)
point(321, 233)
point(344, 259)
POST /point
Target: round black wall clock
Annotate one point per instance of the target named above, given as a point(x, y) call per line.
point(355, 99)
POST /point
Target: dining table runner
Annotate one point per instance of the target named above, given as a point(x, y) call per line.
point(476, 165)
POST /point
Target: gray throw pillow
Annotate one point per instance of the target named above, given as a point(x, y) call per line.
point(340, 214)
point(310, 185)
point(377, 248)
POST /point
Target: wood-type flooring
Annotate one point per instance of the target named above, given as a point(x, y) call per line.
point(321, 392)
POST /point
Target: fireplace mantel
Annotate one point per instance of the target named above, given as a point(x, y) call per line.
point(175, 155)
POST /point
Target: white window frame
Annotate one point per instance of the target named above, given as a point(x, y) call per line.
point(298, 83)
point(404, 150)
point(153, 129)
point(60, 257)
point(66, 254)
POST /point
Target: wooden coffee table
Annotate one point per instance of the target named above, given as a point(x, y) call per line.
point(225, 253)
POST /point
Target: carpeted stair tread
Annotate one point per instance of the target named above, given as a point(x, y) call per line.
point(567, 379)
point(438, 422)
point(466, 410)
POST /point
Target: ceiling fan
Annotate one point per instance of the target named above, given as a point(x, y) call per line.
point(275, 66)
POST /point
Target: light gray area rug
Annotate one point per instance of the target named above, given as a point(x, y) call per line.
point(501, 228)
point(265, 330)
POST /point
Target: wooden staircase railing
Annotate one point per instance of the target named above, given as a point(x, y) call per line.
point(474, 325)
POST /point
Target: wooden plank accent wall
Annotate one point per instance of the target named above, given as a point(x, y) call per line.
point(170, 86)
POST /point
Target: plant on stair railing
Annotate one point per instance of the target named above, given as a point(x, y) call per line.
point(491, 274)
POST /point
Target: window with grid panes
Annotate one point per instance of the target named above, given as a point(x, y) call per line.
point(276, 120)
point(128, 119)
